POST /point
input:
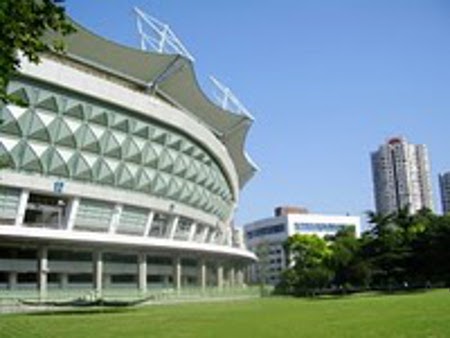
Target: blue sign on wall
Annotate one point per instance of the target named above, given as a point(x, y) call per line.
point(58, 187)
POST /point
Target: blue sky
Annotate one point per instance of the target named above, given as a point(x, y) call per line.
point(327, 81)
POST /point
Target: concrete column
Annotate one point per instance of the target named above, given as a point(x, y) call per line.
point(202, 274)
point(42, 272)
point(192, 231)
point(214, 234)
point(206, 230)
point(177, 273)
point(240, 277)
point(22, 207)
point(64, 281)
point(72, 213)
point(142, 272)
point(173, 227)
point(148, 225)
point(12, 280)
point(98, 272)
point(232, 276)
point(115, 219)
point(220, 276)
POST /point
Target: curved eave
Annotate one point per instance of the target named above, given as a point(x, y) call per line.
point(229, 127)
point(171, 76)
point(121, 241)
point(235, 144)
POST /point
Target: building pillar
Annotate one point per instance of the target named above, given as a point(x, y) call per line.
point(232, 277)
point(12, 280)
point(173, 227)
point(42, 272)
point(213, 235)
point(148, 224)
point(142, 272)
point(72, 213)
point(206, 230)
point(240, 277)
point(192, 231)
point(98, 272)
point(115, 219)
point(220, 276)
point(177, 273)
point(22, 207)
point(202, 274)
point(63, 280)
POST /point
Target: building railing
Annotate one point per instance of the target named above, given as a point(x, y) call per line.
point(22, 300)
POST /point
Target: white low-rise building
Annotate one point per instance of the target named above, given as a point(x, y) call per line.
point(266, 237)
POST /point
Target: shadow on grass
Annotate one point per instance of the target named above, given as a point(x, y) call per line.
point(365, 294)
point(80, 306)
point(82, 311)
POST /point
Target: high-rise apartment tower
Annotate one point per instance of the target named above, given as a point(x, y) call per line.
point(401, 176)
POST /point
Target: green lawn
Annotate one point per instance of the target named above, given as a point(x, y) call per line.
point(412, 315)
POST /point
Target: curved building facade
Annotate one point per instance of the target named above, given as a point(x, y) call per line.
point(118, 171)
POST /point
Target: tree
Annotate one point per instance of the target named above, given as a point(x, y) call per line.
point(23, 25)
point(310, 271)
point(431, 254)
point(350, 269)
point(392, 246)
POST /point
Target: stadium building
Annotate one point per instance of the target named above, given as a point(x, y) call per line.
point(118, 172)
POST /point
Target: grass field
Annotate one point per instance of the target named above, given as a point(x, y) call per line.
point(410, 315)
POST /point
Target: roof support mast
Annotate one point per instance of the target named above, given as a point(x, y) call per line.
point(227, 100)
point(158, 36)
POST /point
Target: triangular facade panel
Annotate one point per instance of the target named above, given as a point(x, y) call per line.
point(48, 102)
point(65, 135)
point(75, 109)
point(159, 136)
point(144, 181)
point(159, 184)
point(111, 146)
point(132, 151)
point(141, 129)
point(103, 173)
point(10, 125)
point(180, 166)
point(82, 170)
point(20, 94)
point(192, 171)
point(152, 154)
point(175, 142)
point(90, 141)
point(124, 178)
point(30, 160)
point(38, 130)
point(166, 161)
point(99, 116)
point(58, 165)
point(121, 123)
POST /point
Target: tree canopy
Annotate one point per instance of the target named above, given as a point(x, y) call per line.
point(400, 251)
point(23, 24)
